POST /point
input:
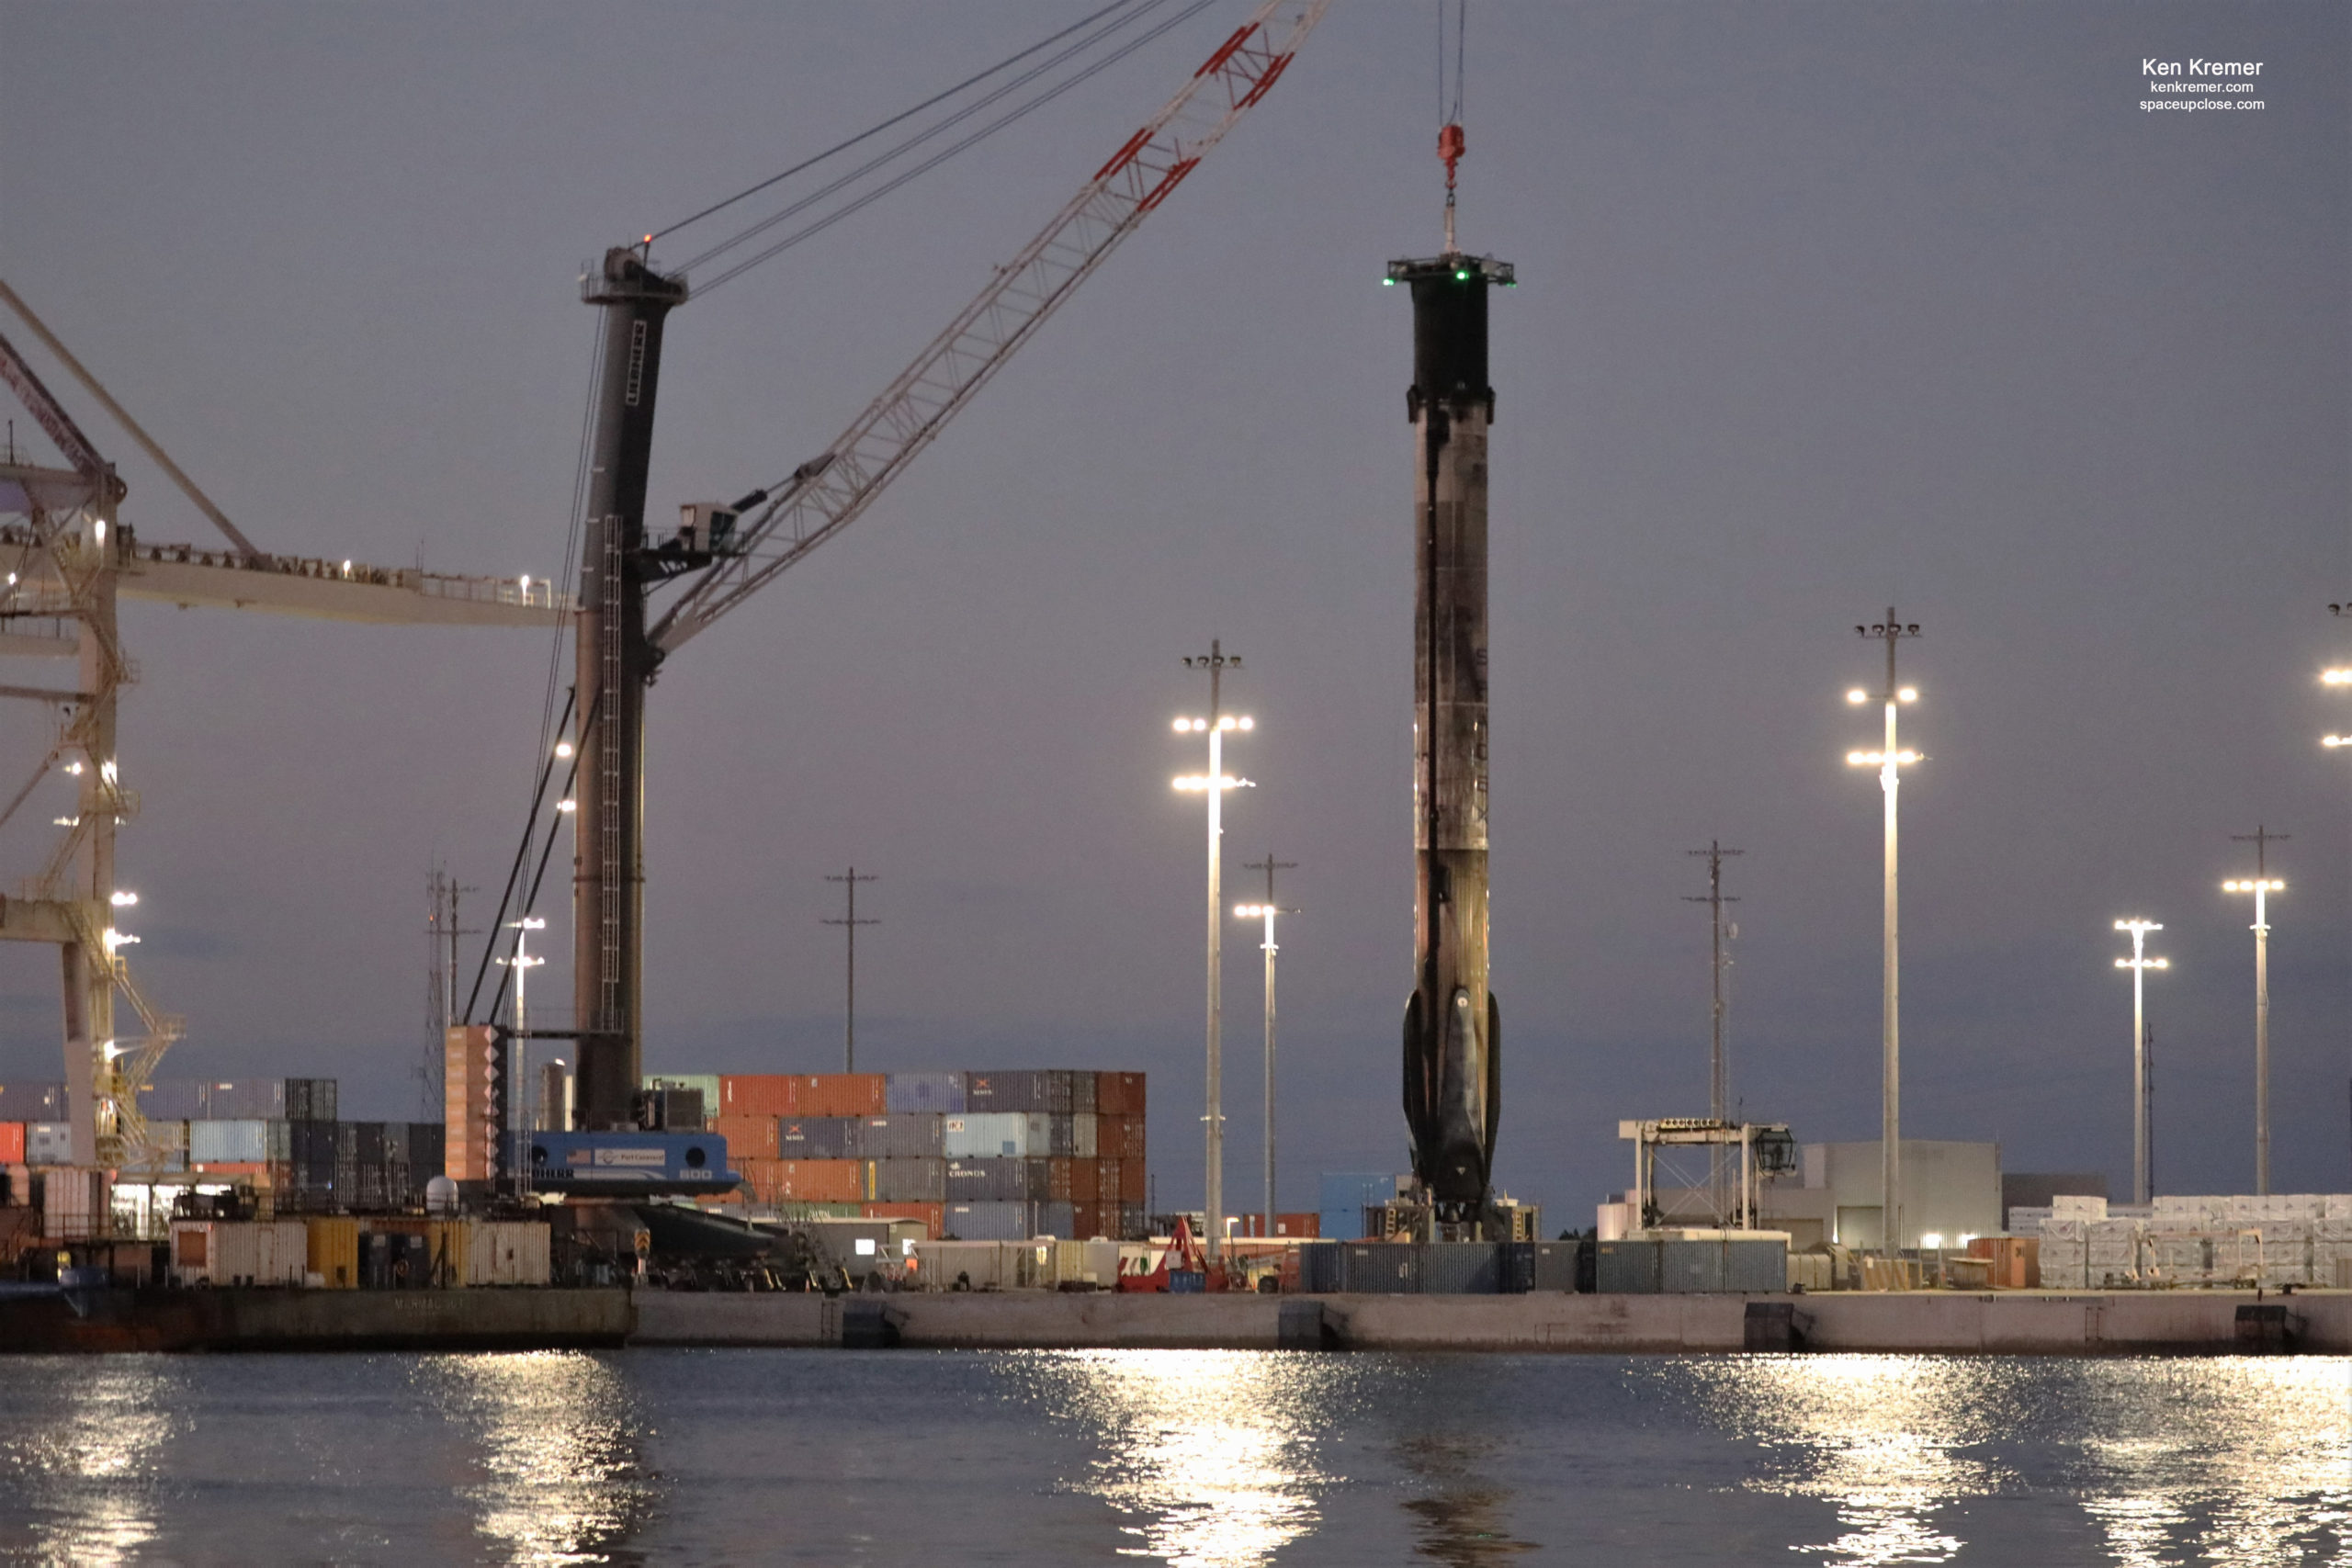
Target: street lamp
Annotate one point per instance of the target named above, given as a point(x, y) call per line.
point(1267, 911)
point(1214, 784)
point(1888, 762)
point(2261, 887)
point(2140, 963)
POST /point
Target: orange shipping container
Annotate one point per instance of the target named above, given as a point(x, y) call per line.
point(842, 1094)
point(816, 1181)
point(759, 1094)
point(933, 1215)
point(1070, 1181)
point(12, 1143)
point(748, 1137)
point(1106, 1182)
point(1132, 1183)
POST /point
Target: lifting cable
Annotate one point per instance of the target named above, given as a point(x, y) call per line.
point(874, 131)
point(1010, 117)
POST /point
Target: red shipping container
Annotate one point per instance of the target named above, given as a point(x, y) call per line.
point(933, 1215)
point(1107, 1182)
point(1118, 1137)
point(1086, 1222)
point(1254, 1225)
point(1118, 1094)
point(748, 1137)
point(1070, 1181)
point(842, 1094)
point(1134, 1186)
point(760, 1094)
point(12, 1143)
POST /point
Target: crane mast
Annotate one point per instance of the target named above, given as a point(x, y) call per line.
point(616, 653)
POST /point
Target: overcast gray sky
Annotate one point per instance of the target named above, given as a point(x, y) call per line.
point(1824, 307)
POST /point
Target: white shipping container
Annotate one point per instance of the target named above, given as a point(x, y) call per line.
point(1086, 1263)
point(993, 1134)
point(76, 1203)
point(239, 1252)
point(988, 1265)
point(507, 1252)
point(1082, 1136)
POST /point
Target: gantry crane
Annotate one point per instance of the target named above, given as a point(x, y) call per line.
point(724, 554)
point(66, 564)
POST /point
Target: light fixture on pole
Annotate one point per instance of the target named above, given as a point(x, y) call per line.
point(518, 1062)
point(2335, 678)
point(1267, 911)
point(2261, 884)
point(1888, 762)
point(2142, 1181)
point(1214, 784)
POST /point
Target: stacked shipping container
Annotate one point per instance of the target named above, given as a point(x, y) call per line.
point(979, 1155)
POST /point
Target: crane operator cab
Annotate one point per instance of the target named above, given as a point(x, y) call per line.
point(707, 528)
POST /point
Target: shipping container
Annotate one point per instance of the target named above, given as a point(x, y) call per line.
point(993, 1134)
point(843, 1094)
point(992, 1220)
point(426, 1143)
point(1119, 1094)
point(245, 1099)
point(77, 1203)
point(1463, 1268)
point(395, 1261)
point(1554, 1266)
point(239, 1252)
point(246, 1140)
point(12, 1143)
point(49, 1143)
point(333, 1252)
point(914, 1135)
point(1084, 1262)
point(173, 1099)
point(932, 1217)
point(1084, 1093)
point(1106, 1183)
point(906, 1181)
point(1135, 1186)
point(749, 1137)
point(32, 1099)
point(310, 1100)
point(1071, 1181)
point(1390, 1268)
point(998, 1180)
point(982, 1264)
point(1084, 1143)
point(759, 1094)
point(1119, 1137)
point(507, 1252)
point(1692, 1264)
point(809, 1180)
point(1323, 1268)
point(817, 1137)
point(907, 1094)
point(1133, 1226)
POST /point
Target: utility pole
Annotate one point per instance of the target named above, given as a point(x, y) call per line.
point(1889, 763)
point(1268, 911)
point(1718, 1068)
point(849, 880)
point(2261, 887)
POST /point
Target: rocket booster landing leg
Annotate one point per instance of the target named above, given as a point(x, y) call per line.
point(1453, 1024)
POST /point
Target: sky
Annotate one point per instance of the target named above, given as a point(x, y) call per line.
point(1823, 308)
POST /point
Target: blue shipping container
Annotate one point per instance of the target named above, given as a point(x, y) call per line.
point(905, 1094)
point(991, 1221)
point(1345, 1195)
point(626, 1164)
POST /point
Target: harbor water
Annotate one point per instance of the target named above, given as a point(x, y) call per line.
point(1173, 1456)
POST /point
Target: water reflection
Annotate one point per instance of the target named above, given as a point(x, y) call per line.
point(1211, 1454)
point(1461, 1515)
point(85, 1474)
point(560, 1477)
point(2228, 1459)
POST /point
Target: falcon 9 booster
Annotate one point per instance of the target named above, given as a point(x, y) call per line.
point(1452, 1027)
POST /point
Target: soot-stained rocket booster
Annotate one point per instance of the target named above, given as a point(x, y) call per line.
point(1453, 1026)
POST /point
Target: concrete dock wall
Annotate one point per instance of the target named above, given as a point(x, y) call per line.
point(2007, 1323)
